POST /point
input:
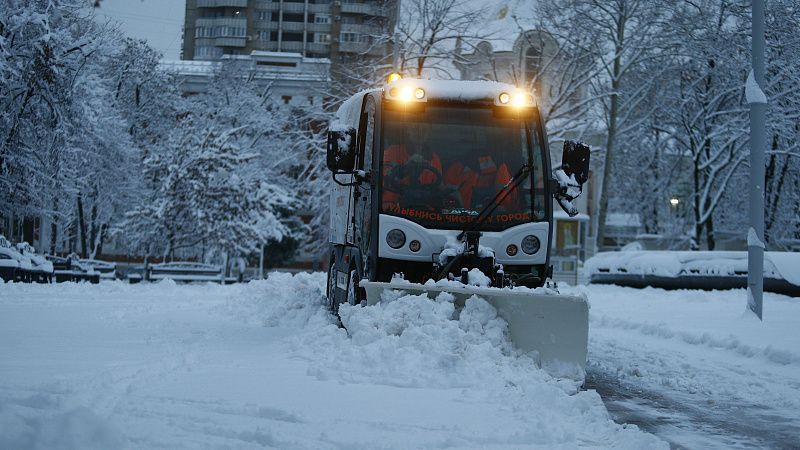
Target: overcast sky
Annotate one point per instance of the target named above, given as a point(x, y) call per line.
point(158, 21)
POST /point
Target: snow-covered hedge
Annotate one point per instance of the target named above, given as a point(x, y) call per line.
point(777, 265)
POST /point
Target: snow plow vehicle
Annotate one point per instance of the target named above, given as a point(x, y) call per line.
point(447, 186)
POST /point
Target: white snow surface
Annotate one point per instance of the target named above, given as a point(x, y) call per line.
point(453, 247)
point(734, 381)
point(347, 116)
point(752, 91)
point(262, 365)
point(753, 240)
point(778, 265)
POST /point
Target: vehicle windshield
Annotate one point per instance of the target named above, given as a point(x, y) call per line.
point(442, 165)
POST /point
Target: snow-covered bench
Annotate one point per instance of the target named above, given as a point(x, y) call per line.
point(70, 269)
point(107, 270)
point(187, 272)
point(693, 270)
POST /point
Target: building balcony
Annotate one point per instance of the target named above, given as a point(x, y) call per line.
point(354, 47)
point(221, 3)
point(294, 8)
point(365, 9)
point(319, 8)
point(230, 42)
point(318, 48)
point(368, 30)
point(291, 46)
point(319, 27)
point(215, 22)
point(292, 26)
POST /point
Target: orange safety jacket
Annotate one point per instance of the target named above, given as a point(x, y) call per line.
point(465, 181)
point(396, 156)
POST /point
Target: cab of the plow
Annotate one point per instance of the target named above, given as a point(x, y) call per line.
point(433, 179)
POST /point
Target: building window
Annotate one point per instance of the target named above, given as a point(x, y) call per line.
point(292, 37)
point(351, 20)
point(322, 18)
point(348, 37)
point(293, 17)
point(263, 36)
point(263, 15)
point(230, 32)
point(208, 52)
point(322, 38)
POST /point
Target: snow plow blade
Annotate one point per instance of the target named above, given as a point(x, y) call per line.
point(553, 328)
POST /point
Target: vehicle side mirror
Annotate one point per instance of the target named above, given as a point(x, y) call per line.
point(341, 150)
point(569, 179)
point(575, 161)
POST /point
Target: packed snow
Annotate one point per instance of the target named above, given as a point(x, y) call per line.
point(264, 365)
point(696, 367)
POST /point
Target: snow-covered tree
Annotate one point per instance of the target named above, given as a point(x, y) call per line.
point(220, 181)
point(429, 31)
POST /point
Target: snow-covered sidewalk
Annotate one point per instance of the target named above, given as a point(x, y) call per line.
point(694, 368)
point(262, 365)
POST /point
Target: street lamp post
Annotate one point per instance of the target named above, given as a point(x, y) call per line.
point(758, 112)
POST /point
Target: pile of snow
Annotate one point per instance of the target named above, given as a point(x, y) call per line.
point(264, 365)
point(282, 300)
point(411, 341)
point(777, 265)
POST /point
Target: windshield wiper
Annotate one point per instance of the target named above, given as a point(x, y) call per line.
point(505, 191)
point(499, 198)
point(471, 246)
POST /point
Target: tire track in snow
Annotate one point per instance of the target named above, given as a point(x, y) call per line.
point(682, 411)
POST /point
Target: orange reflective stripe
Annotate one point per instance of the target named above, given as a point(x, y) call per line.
point(487, 165)
point(502, 179)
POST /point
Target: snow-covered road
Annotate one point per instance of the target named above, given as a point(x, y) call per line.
point(692, 367)
point(262, 365)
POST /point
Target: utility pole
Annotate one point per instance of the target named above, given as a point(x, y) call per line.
point(758, 112)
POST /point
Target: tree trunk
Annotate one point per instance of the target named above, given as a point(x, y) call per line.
point(612, 135)
point(698, 226)
point(98, 244)
point(773, 191)
point(710, 240)
point(54, 228)
point(94, 228)
point(81, 226)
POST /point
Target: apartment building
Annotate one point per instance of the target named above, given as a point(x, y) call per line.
point(333, 29)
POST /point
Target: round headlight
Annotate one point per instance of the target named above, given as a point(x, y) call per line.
point(530, 244)
point(419, 93)
point(395, 238)
point(414, 245)
point(511, 250)
point(504, 98)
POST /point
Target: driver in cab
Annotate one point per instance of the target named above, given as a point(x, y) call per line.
point(411, 164)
